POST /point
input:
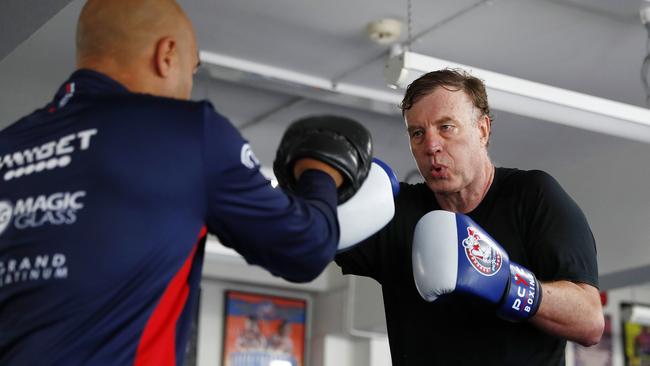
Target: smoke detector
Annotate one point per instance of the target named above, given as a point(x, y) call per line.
point(384, 31)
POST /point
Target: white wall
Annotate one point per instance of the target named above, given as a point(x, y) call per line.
point(329, 342)
point(346, 324)
point(336, 350)
point(380, 352)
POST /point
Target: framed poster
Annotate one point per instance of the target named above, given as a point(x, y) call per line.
point(263, 330)
point(636, 340)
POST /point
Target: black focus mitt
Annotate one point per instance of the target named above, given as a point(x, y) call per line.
point(338, 141)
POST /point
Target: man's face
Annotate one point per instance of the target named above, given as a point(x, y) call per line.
point(447, 137)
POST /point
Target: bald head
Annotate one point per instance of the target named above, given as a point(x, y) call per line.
point(137, 42)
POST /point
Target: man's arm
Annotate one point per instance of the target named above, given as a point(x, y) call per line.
point(566, 309)
point(291, 236)
point(572, 311)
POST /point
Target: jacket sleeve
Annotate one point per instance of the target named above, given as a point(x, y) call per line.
point(293, 237)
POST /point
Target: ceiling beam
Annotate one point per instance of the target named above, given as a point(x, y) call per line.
point(290, 82)
point(627, 277)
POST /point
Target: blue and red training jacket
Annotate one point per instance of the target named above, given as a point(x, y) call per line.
point(106, 197)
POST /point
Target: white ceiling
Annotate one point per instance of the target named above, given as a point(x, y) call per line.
point(597, 52)
point(591, 46)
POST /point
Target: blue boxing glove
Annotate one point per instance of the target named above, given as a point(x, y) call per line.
point(452, 254)
point(370, 208)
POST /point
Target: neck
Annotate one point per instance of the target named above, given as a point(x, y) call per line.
point(469, 197)
point(130, 76)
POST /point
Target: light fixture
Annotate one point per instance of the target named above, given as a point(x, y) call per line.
point(636, 314)
point(532, 99)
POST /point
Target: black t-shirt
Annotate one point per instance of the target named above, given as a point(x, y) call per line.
point(539, 226)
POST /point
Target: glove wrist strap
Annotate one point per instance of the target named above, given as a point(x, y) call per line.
point(522, 297)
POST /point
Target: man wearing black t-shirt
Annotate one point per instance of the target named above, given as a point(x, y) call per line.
point(536, 222)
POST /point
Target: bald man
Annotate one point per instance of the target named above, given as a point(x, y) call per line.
point(108, 191)
point(148, 47)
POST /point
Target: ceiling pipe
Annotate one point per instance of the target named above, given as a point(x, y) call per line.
point(295, 83)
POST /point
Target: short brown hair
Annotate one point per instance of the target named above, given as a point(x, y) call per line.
point(450, 79)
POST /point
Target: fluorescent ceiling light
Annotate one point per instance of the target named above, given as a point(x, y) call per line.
point(536, 100)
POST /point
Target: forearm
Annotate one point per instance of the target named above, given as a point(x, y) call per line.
point(315, 231)
point(306, 164)
point(572, 311)
point(292, 237)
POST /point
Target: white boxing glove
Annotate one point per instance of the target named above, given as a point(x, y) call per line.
point(371, 207)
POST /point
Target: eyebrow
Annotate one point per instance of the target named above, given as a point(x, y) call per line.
point(412, 128)
point(440, 120)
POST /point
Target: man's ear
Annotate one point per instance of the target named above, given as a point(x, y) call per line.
point(484, 126)
point(164, 56)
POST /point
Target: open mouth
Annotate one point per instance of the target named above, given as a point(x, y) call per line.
point(438, 170)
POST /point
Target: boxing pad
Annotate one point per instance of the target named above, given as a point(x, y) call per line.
point(452, 254)
point(338, 141)
point(370, 208)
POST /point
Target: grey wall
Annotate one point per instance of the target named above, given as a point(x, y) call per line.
point(19, 19)
point(30, 75)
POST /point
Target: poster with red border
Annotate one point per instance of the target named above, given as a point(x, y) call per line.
point(263, 330)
